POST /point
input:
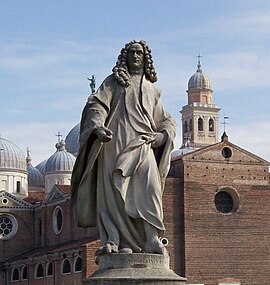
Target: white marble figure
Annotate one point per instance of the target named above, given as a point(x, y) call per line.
point(126, 138)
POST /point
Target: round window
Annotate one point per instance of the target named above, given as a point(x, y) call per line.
point(8, 226)
point(226, 152)
point(224, 202)
point(5, 201)
point(227, 200)
point(57, 220)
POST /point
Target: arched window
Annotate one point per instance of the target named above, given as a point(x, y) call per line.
point(190, 125)
point(39, 271)
point(185, 127)
point(25, 273)
point(66, 268)
point(200, 124)
point(211, 125)
point(15, 274)
point(49, 271)
point(78, 264)
point(57, 220)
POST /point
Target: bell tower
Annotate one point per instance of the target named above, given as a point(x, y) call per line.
point(200, 115)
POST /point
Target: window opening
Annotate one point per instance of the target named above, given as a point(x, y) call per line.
point(50, 269)
point(78, 264)
point(25, 273)
point(211, 125)
point(18, 187)
point(224, 202)
point(66, 268)
point(15, 274)
point(200, 124)
point(39, 271)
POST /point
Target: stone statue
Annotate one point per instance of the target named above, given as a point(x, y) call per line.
point(92, 84)
point(126, 138)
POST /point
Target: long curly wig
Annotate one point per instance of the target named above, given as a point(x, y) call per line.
point(120, 70)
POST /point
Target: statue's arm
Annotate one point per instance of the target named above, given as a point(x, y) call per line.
point(165, 124)
point(95, 114)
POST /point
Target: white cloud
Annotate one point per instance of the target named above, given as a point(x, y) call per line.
point(254, 137)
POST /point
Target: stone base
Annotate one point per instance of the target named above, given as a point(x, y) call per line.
point(134, 268)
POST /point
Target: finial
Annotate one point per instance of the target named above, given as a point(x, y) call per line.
point(92, 84)
point(59, 136)
point(28, 157)
point(60, 145)
point(199, 63)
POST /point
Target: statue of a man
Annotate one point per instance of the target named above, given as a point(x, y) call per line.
point(126, 138)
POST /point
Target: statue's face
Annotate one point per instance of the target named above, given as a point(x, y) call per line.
point(135, 57)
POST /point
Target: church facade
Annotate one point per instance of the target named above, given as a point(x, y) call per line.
point(215, 208)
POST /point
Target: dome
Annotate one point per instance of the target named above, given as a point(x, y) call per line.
point(35, 178)
point(182, 151)
point(11, 156)
point(72, 140)
point(199, 79)
point(41, 166)
point(61, 160)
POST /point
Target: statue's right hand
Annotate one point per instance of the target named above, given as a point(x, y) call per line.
point(104, 134)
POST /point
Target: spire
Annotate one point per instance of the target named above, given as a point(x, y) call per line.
point(224, 137)
point(199, 69)
point(28, 157)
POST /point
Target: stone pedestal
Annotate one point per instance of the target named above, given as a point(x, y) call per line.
point(134, 268)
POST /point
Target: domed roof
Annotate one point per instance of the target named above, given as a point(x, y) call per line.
point(11, 156)
point(199, 79)
point(61, 160)
point(35, 178)
point(41, 166)
point(72, 140)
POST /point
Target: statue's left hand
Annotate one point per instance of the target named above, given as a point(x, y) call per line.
point(160, 139)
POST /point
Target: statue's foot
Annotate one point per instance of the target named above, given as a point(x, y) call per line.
point(109, 247)
point(156, 246)
point(125, 250)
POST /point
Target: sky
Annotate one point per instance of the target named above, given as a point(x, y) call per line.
point(49, 48)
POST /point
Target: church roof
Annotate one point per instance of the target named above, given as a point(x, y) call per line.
point(11, 156)
point(61, 160)
point(181, 151)
point(35, 178)
point(199, 79)
point(72, 140)
point(41, 166)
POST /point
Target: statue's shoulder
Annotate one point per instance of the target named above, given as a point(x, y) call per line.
point(109, 80)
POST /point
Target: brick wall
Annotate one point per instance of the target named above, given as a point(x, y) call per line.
point(233, 246)
point(173, 220)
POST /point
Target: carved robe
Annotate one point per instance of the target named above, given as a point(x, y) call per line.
point(118, 185)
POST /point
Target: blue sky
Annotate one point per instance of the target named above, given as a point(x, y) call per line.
point(49, 48)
